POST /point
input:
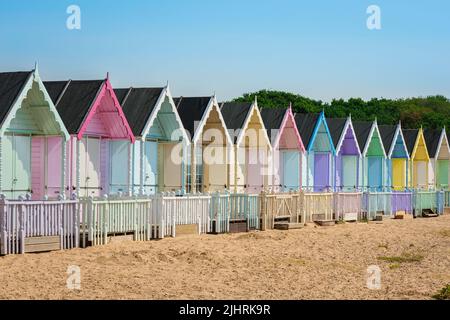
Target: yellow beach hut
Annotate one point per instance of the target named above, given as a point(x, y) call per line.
point(419, 158)
point(207, 159)
point(250, 162)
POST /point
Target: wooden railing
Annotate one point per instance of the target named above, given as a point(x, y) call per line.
point(22, 221)
point(348, 206)
point(280, 206)
point(228, 208)
point(428, 200)
point(375, 203)
point(317, 206)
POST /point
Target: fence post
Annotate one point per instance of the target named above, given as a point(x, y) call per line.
point(106, 217)
point(76, 220)
point(90, 222)
point(3, 235)
point(22, 226)
point(62, 219)
point(263, 213)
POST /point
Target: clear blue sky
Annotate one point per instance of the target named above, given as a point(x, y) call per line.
point(321, 49)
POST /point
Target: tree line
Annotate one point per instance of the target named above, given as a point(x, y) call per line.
point(430, 112)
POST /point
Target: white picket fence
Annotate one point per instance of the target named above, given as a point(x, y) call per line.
point(146, 218)
point(183, 210)
point(24, 219)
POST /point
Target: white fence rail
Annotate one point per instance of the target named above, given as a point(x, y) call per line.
point(24, 220)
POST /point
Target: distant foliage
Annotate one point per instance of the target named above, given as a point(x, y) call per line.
point(430, 112)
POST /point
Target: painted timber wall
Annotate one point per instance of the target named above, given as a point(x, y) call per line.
point(32, 138)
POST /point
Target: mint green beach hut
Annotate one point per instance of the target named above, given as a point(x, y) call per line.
point(161, 140)
point(31, 130)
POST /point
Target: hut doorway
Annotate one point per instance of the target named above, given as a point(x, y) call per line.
point(349, 172)
point(255, 176)
point(119, 151)
point(90, 167)
point(399, 174)
point(375, 172)
point(291, 170)
point(420, 174)
point(17, 165)
point(321, 172)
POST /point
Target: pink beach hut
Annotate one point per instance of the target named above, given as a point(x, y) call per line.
point(31, 135)
point(100, 146)
point(287, 149)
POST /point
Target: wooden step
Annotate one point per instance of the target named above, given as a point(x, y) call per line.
point(287, 226)
point(325, 223)
point(42, 244)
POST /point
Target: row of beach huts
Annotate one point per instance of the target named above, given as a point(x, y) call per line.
point(82, 162)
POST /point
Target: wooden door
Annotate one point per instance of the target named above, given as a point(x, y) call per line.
point(53, 165)
point(151, 167)
point(119, 157)
point(349, 176)
point(421, 174)
point(375, 173)
point(17, 165)
point(442, 173)
point(255, 176)
point(90, 167)
point(321, 172)
point(398, 174)
point(291, 170)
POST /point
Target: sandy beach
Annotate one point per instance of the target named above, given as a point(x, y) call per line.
point(311, 263)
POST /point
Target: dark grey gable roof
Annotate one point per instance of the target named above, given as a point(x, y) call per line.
point(138, 104)
point(362, 132)
point(410, 136)
point(432, 138)
point(11, 85)
point(234, 114)
point(387, 133)
point(191, 111)
point(73, 100)
point(306, 123)
point(273, 119)
point(336, 127)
